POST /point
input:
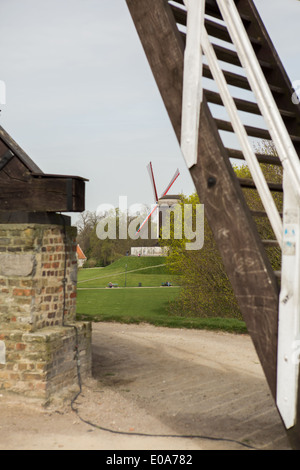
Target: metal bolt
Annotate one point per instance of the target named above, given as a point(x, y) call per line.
point(211, 181)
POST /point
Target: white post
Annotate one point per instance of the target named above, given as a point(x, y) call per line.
point(289, 328)
point(289, 305)
point(192, 81)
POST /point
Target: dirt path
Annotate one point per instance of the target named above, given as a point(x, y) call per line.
point(156, 381)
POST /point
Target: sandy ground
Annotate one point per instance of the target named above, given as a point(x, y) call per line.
point(149, 385)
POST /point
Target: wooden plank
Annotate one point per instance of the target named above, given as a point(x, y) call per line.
point(248, 183)
point(41, 195)
point(244, 258)
point(262, 158)
point(240, 81)
point(20, 191)
point(242, 105)
point(212, 9)
point(214, 29)
point(251, 131)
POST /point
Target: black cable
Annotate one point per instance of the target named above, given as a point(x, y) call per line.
point(64, 281)
point(181, 436)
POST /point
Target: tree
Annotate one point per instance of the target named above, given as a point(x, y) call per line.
point(101, 252)
point(206, 290)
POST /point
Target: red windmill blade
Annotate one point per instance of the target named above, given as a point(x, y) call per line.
point(150, 170)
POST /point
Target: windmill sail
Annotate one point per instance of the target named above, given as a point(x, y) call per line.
point(171, 183)
point(150, 170)
point(151, 174)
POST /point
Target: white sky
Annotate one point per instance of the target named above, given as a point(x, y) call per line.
point(81, 99)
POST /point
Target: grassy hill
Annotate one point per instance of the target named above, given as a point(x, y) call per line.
point(148, 271)
point(132, 304)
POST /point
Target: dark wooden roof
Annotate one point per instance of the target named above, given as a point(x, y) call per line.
point(24, 186)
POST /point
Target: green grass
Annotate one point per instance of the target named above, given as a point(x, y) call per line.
point(147, 304)
point(132, 271)
point(144, 306)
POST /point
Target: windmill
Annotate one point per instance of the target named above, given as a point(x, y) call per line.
point(156, 199)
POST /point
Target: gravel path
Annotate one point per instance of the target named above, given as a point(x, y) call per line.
point(149, 385)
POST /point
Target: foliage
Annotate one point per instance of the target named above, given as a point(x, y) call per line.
point(206, 290)
point(104, 252)
point(274, 174)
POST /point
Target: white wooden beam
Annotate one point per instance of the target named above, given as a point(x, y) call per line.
point(289, 318)
point(192, 81)
point(289, 305)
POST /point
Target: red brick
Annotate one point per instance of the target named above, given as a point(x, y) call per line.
point(23, 292)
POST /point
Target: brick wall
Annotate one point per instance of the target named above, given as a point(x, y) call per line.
point(38, 275)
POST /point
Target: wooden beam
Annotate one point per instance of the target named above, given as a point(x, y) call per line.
point(154, 23)
point(23, 191)
point(244, 257)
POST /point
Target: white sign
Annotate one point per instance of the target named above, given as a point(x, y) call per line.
point(2, 352)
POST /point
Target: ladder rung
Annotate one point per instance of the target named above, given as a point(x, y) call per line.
point(238, 81)
point(270, 243)
point(262, 158)
point(261, 214)
point(248, 183)
point(221, 32)
point(231, 57)
point(251, 131)
point(242, 105)
point(212, 9)
point(218, 31)
point(214, 29)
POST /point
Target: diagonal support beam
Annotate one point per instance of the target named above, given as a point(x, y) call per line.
point(244, 257)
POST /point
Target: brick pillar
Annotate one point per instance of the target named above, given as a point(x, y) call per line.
point(39, 335)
